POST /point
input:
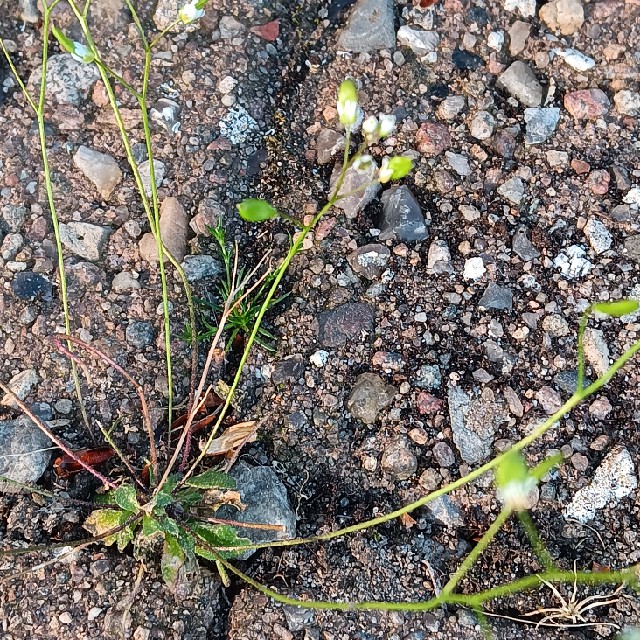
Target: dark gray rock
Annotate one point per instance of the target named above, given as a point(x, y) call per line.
point(267, 503)
point(370, 27)
point(428, 376)
point(632, 247)
point(402, 218)
point(84, 239)
point(369, 396)
point(199, 267)
point(522, 245)
point(497, 297)
point(29, 286)
point(22, 450)
point(288, 369)
point(444, 510)
point(520, 81)
point(345, 323)
point(567, 382)
point(354, 179)
point(139, 333)
point(14, 217)
point(370, 260)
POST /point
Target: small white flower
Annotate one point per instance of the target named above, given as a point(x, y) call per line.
point(190, 12)
point(82, 53)
point(348, 111)
point(370, 127)
point(387, 125)
point(515, 494)
point(362, 162)
point(386, 172)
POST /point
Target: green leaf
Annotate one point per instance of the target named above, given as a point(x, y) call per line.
point(224, 576)
point(101, 521)
point(618, 308)
point(541, 470)
point(255, 210)
point(212, 479)
point(188, 497)
point(173, 558)
point(217, 535)
point(399, 167)
point(65, 43)
point(150, 526)
point(168, 525)
point(125, 497)
point(126, 536)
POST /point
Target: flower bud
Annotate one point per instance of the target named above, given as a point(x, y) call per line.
point(370, 129)
point(387, 125)
point(192, 11)
point(394, 168)
point(347, 102)
point(363, 162)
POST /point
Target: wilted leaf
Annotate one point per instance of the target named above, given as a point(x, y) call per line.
point(173, 558)
point(125, 497)
point(255, 210)
point(407, 521)
point(232, 438)
point(212, 479)
point(618, 308)
point(103, 520)
point(215, 499)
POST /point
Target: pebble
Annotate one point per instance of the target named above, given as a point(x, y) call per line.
point(613, 480)
point(587, 103)
point(459, 163)
point(68, 81)
point(473, 269)
point(328, 144)
point(632, 247)
point(465, 60)
point(230, 27)
point(398, 460)
point(428, 377)
point(527, 8)
point(504, 144)
point(445, 511)
point(370, 260)
point(402, 218)
point(355, 178)
point(567, 381)
point(174, 231)
point(598, 181)
point(596, 350)
point(420, 42)
point(557, 158)
point(345, 324)
point(520, 82)
point(200, 266)
point(518, 35)
point(25, 449)
point(572, 262)
point(627, 102)
point(12, 243)
point(369, 28)
point(522, 245)
point(29, 286)
point(556, 326)
point(598, 235)
point(541, 123)
point(237, 125)
point(84, 239)
point(495, 40)
point(100, 168)
point(482, 125)
point(368, 397)
point(566, 16)
point(140, 333)
point(64, 406)
point(432, 139)
point(600, 408)
point(22, 385)
point(513, 190)
point(266, 502)
point(166, 13)
point(145, 174)
point(443, 454)
point(549, 399)
point(576, 59)
point(450, 107)
point(439, 258)
point(319, 358)
point(289, 369)
point(14, 217)
point(124, 281)
point(632, 197)
point(497, 297)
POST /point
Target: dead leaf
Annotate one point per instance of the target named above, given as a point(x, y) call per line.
point(407, 521)
point(233, 438)
point(215, 498)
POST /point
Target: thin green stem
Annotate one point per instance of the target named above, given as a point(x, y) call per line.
point(581, 330)
point(534, 538)
point(475, 553)
point(163, 33)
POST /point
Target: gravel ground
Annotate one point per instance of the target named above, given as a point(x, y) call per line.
point(397, 367)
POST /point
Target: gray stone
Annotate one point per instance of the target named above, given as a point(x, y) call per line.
point(237, 125)
point(482, 125)
point(522, 245)
point(166, 114)
point(402, 217)
point(266, 502)
point(598, 235)
point(24, 451)
point(613, 480)
point(84, 239)
point(627, 102)
point(14, 217)
point(497, 297)
point(398, 460)
point(174, 231)
point(124, 281)
point(289, 369)
point(145, 174)
point(443, 454)
point(512, 190)
point(370, 260)
point(518, 35)
point(354, 179)
point(22, 385)
point(68, 81)
point(370, 27)
point(428, 376)
point(11, 244)
point(29, 286)
point(328, 144)
point(632, 247)
point(200, 266)
point(567, 382)
point(420, 42)
point(369, 396)
point(443, 510)
point(166, 14)
point(439, 258)
point(450, 107)
point(139, 333)
point(527, 8)
point(596, 350)
point(29, 11)
point(100, 168)
point(230, 27)
point(520, 81)
point(348, 322)
point(459, 163)
point(541, 123)
point(474, 423)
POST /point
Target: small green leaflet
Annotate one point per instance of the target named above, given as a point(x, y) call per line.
point(255, 210)
point(212, 479)
point(125, 497)
point(150, 526)
point(173, 558)
point(103, 520)
point(618, 308)
point(219, 535)
point(400, 166)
